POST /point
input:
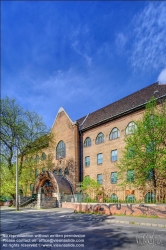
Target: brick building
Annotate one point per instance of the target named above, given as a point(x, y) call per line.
point(93, 144)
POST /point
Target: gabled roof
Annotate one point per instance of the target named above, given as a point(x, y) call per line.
point(123, 106)
point(59, 111)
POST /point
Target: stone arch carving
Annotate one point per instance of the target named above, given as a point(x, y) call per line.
point(60, 183)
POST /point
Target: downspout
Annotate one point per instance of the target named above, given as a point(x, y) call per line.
point(81, 149)
point(81, 156)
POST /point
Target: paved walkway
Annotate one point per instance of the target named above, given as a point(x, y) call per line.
point(153, 222)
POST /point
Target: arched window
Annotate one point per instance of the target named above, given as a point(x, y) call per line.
point(87, 142)
point(37, 158)
point(60, 150)
point(66, 172)
point(31, 187)
point(99, 138)
point(60, 172)
point(31, 159)
point(130, 175)
point(149, 174)
point(26, 161)
point(114, 198)
point(149, 197)
point(55, 171)
point(131, 127)
point(130, 198)
point(43, 157)
point(115, 133)
point(36, 172)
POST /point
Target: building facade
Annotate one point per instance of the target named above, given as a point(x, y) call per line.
point(92, 145)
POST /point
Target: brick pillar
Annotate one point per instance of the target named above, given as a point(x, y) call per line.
point(59, 202)
point(40, 198)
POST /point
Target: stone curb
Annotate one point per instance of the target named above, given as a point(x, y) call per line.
point(135, 223)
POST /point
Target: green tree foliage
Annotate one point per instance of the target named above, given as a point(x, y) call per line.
point(25, 131)
point(144, 157)
point(91, 187)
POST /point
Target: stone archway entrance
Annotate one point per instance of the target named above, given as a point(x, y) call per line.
point(49, 187)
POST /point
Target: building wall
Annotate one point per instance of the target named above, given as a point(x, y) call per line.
point(106, 147)
point(64, 129)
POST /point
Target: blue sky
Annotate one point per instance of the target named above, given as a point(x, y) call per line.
point(80, 55)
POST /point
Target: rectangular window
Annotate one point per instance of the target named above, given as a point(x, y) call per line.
point(149, 175)
point(150, 148)
point(99, 158)
point(87, 177)
point(114, 155)
point(87, 161)
point(114, 177)
point(100, 178)
point(130, 175)
point(131, 152)
point(36, 172)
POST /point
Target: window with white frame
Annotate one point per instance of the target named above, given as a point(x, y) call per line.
point(131, 127)
point(100, 178)
point(115, 133)
point(99, 138)
point(87, 142)
point(114, 155)
point(87, 161)
point(114, 177)
point(99, 159)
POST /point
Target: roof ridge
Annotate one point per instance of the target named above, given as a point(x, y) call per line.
point(127, 104)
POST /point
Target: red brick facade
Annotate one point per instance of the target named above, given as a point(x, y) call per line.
point(73, 134)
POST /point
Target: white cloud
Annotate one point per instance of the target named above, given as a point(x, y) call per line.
point(75, 46)
point(162, 76)
point(149, 34)
point(120, 41)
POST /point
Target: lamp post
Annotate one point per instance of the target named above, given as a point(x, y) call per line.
point(17, 198)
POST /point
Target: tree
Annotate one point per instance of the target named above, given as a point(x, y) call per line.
point(144, 156)
point(23, 130)
point(91, 187)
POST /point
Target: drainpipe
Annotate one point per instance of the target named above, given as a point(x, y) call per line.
point(81, 156)
point(81, 148)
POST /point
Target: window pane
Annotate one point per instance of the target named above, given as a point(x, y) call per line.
point(114, 198)
point(114, 177)
point(37, 158)
point(100, 178)
point(131, 128)
point(61, 150)
point(100, 138)
point(149, 175)
point(150, 197)
point(43, 157)
point(131, 152)
point(130, 198)
point(87, 142)
point(87, 161)
point(36, 172)
point(60, 172)
point(66, 172)
point(130, 175)
point(114, 155)
point(115, 133)
point(99, 158)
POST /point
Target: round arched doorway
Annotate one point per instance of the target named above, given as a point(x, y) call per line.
point(49, 187)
